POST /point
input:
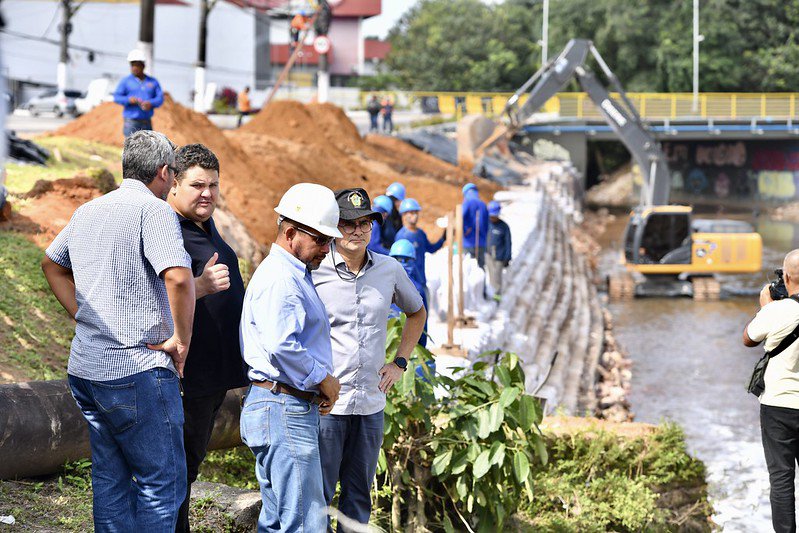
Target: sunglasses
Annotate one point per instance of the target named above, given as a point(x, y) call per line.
point(319, 240)
point(349, 227)
point(173, 169)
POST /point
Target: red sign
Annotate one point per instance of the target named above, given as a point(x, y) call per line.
point(321, 44)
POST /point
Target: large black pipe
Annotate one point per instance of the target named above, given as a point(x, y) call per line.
point(41, 428)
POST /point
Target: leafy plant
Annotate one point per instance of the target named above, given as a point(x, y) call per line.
point(459, 450)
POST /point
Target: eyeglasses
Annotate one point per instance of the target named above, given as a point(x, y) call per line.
point(319, 240)
point(173, 169)
point(349, 227)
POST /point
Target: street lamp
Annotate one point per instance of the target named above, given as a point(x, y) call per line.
point(697, 39)
point(544, 41)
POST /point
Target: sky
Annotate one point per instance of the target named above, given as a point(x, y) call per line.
point(392, 11)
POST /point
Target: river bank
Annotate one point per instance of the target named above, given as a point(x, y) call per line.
point(551, 306)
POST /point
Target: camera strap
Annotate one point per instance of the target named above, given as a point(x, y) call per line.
point(789, 338)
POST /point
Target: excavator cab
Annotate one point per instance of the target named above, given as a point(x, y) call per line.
point(658, 236)
point(679, 255)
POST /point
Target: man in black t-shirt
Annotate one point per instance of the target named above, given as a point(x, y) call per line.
point(214, 364)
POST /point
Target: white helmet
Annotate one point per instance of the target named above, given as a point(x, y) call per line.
point(313, 205)
point(136, 55)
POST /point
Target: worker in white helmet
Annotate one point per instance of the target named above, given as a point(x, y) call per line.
point(139, 94)
point(285, 341)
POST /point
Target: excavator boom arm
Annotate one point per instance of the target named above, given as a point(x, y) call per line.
point(622, 116)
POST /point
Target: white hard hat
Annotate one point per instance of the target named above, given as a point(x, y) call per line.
point(313, 205)
point(136, 55)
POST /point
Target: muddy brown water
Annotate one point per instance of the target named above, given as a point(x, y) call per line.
point(691, 368)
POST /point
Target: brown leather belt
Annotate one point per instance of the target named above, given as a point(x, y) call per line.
point(280, 388)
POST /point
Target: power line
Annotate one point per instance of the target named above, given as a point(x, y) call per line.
point(120, 55)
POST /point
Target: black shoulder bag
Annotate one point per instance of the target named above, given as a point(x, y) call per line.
point(757, 383)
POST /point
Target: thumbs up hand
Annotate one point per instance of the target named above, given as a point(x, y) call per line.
point(215, 278)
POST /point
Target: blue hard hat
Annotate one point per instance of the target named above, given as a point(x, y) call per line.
point(494, 208)
point(403, 248)
point(397, 190)
point(383, 203)
point(469, 187)
point(409, 204)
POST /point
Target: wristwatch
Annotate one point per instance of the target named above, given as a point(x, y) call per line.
point(401, 362)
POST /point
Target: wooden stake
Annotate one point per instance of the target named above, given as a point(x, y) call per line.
point(450, 348)
point(459, 237)
point(462, 320)
point(450, 287)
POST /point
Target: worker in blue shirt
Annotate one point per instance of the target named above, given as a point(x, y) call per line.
point(396, 191)
point(498, 253)
point(404, 252)
point(475, 224)
point(139, 94)
point(409, 209)
point(378, 242)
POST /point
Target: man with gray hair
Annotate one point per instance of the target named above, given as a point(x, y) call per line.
point(776, 322)
point(120, 270)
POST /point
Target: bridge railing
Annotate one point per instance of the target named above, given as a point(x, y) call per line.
point(654, 106)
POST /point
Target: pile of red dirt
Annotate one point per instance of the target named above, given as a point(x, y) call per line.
point(287, 143)
point(50, 205)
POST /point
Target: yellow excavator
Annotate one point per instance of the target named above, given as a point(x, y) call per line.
point(666, 252)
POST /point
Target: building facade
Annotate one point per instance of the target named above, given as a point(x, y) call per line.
point(246, 45)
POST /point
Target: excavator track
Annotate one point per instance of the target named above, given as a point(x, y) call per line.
point(621, 286)
point(706, 288)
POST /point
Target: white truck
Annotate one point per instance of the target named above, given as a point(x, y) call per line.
point(100, 90)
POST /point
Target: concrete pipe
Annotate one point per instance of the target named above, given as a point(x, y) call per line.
point(41, 428)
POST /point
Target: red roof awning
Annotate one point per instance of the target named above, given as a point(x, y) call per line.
point(356, 8)
point(279, 55)
point(376, 49)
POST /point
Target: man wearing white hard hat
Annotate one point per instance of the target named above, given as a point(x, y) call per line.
point(285, 341)
point(139, 94)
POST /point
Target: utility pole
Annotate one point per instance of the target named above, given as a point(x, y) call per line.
point(62, 74)
point(545, 34)
point(147, 32)
point(697, 39)
point(202, 46)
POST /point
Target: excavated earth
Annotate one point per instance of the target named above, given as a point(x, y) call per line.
point(286, 143)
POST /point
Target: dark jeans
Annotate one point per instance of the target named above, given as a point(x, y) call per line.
point(242, 114)
point(388, 123)
point(779, 427)
point(131, 126)
point(373, 122)
point(200, 414)
point(136, 437)
point(349, 446)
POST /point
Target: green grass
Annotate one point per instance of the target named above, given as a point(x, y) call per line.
point(234, 467)
point(76, 155)
point(35, 331)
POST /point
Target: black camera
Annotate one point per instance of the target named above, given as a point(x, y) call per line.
point(777, 287)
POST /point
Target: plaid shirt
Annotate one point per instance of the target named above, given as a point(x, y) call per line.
point(117, 246)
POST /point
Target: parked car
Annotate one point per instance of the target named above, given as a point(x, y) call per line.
point(50, 102)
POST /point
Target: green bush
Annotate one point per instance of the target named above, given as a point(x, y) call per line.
point(459, 451)
point(603, 482)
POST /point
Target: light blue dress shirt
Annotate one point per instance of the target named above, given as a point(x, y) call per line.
point(285, 333)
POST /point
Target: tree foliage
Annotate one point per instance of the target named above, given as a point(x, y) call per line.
point(469, 45)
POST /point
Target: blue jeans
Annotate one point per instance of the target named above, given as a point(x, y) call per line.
point(283, 433)
point(131, 126)
point(136, 436)
point(349, 445)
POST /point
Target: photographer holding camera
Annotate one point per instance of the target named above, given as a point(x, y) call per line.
point(776, 383)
